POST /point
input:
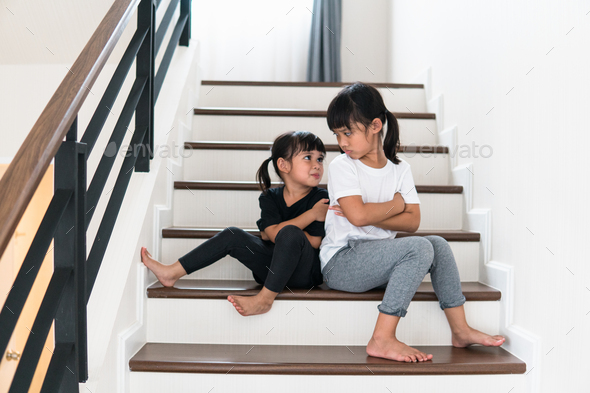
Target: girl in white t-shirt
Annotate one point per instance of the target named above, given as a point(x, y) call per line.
point(372, 196)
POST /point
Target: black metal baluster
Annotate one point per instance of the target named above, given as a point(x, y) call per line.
point(144, 113)
point(80, 264)
point(185, 9)
point(70, 254)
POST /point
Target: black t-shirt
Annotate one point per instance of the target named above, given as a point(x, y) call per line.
point(274, 210)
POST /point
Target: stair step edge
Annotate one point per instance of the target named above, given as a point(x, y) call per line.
point(318, 360)
point(220, 289)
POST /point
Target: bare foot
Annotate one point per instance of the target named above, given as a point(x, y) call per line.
point(393, 349)
point(250, 305)
point(472, 336)
point(163, 273)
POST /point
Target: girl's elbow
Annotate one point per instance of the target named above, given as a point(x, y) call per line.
point(415, 225)
point(357, 217)
point(358, 221)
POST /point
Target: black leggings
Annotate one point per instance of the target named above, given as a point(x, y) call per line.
point(290, 261)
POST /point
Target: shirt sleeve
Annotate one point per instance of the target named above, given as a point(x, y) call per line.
point(316, 228)
point(269, 212)
point(343, 180)
point(407, 187)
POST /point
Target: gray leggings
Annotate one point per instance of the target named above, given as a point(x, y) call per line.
point(399, 266)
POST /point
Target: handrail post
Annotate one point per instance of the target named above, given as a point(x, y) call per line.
point(145, 67)
point(70, 253)
point(185, 9)
point(80, 264)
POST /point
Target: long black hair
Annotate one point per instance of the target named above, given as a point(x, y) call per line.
point(287, 146)
point(362, 103)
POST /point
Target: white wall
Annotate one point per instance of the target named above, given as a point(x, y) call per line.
point(365, 49)
point(47, 32)
point(269, 40)
point(24, 92)
point(515, 77)
point(255, 40)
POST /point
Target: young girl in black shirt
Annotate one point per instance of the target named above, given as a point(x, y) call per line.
point(291, 226)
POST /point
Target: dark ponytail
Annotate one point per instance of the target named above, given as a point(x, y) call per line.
point(391, 143)
point(362, 103)
point(263, 176)
point(286, 146)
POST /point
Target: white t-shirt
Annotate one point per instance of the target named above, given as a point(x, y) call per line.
point(347, 177)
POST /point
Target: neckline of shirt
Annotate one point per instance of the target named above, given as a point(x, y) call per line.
point(285, 202)
point(374, 171)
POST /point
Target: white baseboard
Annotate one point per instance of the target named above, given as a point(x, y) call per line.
point(132, 339)
point(425, 78)
point(520, 342)
point(436, 106)
point(121, 256)
point(448, 138)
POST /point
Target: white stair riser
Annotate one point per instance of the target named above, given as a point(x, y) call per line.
point(266, 128)
point(298, 322)
point(314, 98)
point(242, 165)
point(223, 208)
point(228, 268)
point(151, 382)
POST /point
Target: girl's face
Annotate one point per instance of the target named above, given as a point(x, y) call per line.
point(359, 140)
point(305, 168)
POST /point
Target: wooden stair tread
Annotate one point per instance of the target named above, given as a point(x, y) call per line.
point(253, 186)
point(238, 145)
point(318, 360)
point(220, 289)
point(308, 84)
point(204, 233)
point(290, 112)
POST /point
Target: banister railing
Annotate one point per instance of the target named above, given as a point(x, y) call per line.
point(72, 207)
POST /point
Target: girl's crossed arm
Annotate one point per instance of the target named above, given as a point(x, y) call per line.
point(317, 213)
point(407, 221)
point(392, 215)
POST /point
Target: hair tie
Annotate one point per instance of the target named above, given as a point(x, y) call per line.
point(385, 112)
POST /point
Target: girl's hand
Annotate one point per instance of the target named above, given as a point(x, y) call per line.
point(320, 209)
point(337, 210)
point(399, 203)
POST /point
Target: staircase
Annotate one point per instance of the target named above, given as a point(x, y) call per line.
point(198, 342)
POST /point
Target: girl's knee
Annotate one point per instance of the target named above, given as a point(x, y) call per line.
point(233, 234)
point(423, 248)
point(437, 241)
point(233, 230)
point(290, 233)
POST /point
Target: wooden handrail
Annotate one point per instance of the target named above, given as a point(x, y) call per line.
point(35, 154)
